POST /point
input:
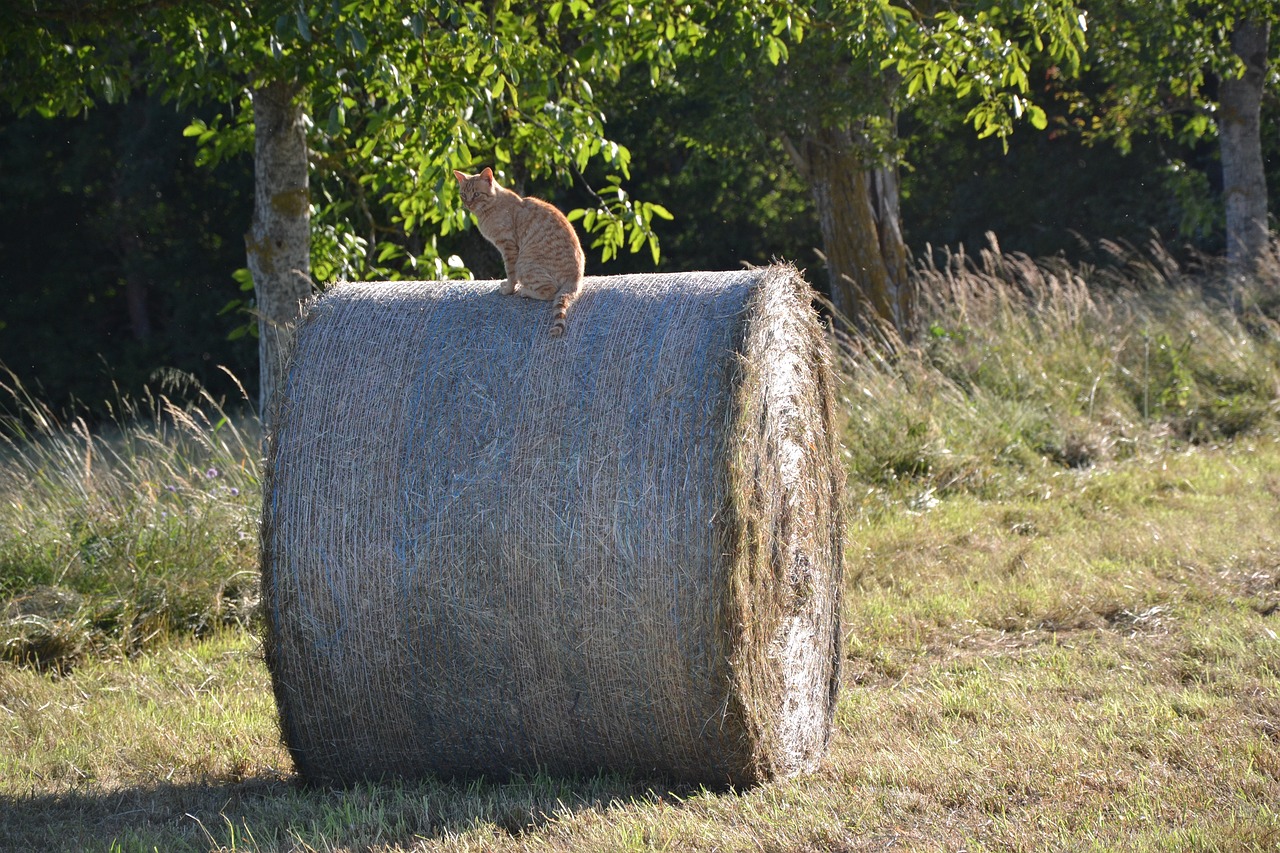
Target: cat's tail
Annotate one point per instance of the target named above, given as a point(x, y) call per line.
point(566, 297)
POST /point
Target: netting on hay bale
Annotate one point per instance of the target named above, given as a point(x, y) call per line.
point(487, 551)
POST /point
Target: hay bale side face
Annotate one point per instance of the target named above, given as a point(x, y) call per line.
point(485, 551)
point(786, 529)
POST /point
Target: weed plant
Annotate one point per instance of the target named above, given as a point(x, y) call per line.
point(115, 538)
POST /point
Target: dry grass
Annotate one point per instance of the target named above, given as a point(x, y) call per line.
point(1044, 650)
point(1023, 364)
point(1092, 663)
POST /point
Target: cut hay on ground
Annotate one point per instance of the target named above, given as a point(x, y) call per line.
point(487, 551)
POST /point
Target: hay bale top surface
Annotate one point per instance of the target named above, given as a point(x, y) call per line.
point(475, 311)
point(486, 550)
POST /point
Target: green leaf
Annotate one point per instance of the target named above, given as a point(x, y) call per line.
point(337, 118)
point(914, 84)
point(358, 41)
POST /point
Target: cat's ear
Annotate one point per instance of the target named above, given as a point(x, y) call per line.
point(487, 174)
point(459, 175)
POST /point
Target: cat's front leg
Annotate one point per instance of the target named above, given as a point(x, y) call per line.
point(509, 255)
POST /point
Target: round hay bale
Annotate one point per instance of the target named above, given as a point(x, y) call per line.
point(486, 551)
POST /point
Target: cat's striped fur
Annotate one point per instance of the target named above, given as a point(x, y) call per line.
point(538, 244)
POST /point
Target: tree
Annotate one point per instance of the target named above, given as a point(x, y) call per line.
point(830, 79)
point(386, 95)
point(278, 244)
point(1189, 70)
point(1244, 179)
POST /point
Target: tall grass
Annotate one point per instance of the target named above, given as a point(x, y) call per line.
point(1023, 364)
point(119, 536)
point(116, 537)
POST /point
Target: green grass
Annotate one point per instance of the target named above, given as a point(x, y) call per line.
point(1024, 365)
point(115, 539)
point(1062, 616)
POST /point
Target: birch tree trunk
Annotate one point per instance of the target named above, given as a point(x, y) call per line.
point(1244, 183)
point(857, 208)
point(278, 244)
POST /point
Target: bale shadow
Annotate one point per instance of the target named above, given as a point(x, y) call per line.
point(281, 813)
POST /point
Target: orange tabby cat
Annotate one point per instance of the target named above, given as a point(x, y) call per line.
point(539, 246)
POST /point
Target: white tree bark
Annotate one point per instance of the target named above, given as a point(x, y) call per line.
point(1244, 183)
point(278, 244)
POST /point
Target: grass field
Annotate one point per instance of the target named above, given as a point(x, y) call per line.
point(1062, 614)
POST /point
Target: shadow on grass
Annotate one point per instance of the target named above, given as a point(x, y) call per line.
point(277, 813)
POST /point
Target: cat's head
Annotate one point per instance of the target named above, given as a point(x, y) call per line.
point(476, 189)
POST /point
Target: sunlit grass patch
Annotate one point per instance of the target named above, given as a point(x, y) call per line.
point(1064, 743)
point(1131, 548)
point(116, 538)
point(1022, 364)
point(191, 712)
point(1088, 662)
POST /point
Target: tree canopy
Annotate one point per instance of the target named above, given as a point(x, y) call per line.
point(397, 95)
point(1190, 70)
point(838, 116)
point(382, 98)
point(829, 82)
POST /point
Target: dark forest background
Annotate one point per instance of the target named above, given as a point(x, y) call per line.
point(119, 254)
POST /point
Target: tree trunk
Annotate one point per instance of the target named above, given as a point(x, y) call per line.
point(279, 241)
point(857, 209)
point(1244, 184)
